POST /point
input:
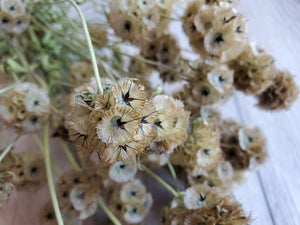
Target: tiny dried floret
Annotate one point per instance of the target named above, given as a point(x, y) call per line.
point(123, 171)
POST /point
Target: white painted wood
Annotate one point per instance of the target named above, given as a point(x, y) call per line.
point(275, 25)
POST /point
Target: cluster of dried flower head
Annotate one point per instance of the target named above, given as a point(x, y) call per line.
point(205, 205)
point(219, 152)
point(215, 31)
point(25, 107)
point(28, 169)
point(124, 126)
point(123, 121)
point(130, 202)
point(78, 194)
point(13, 16)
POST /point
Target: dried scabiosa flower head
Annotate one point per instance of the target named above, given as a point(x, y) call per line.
point(253, 70)
point(132, 202)
point(171, 123)
point(280, 94)
point(25, 107)
point(13, 16)
point(123, 171)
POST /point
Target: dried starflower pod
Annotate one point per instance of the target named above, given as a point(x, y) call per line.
point(242, 145)
point(134, 213)
point(132, 191)
point(211, 85)
point(221, 78)
point(13, 7)
point(280, 94)
point(253, 70)
point(171, 123)
point(115, 152)
point(29, 107)
point(47, 215)
point(123, 171)
point(129, 94)
point(80, 72)
point(200, 196)
point(227, 41)
point(84, 195)
point(21, 24)
point(155, 160)
point(118, 126)
point(131, 202)
point(125, 25)
point(34, 168)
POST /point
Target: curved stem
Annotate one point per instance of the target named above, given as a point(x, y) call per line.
point(70, 156)
point(5, 152)
point(49, 176)
point(109, 213)
point(89, 42)
point(7, 149)
point(163, 183)
point(173, 173)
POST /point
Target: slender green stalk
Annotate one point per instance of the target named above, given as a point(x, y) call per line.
point(173, 173)
point(89, 42)
point(49, 176)
point(57, 170)
point(73, 162)
point(3, 90)
point(8, 148)
point(5, 152)
point(109, 213)
point(161, 181)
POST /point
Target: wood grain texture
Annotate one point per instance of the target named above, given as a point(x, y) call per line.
point(275, 25)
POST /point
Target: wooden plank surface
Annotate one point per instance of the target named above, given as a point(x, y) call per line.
point(275, 25)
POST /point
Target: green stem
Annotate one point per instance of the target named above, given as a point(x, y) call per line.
point(70, 156)
point(89, 42)
point(49, 176)
point(57, 170)
point(173, 173)
point(5, 152)
point(109, 213)
point(7, 149)
point(161, 181)
point(3, 90)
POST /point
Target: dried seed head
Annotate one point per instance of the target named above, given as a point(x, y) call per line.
point(114, 153)
point(253, 70)
point(129, 95)
point(281, 94)
point(123, 171)
point(118, 126)
point(34, 168)
point(83, 195)
point(171, 123)
point(80, 72)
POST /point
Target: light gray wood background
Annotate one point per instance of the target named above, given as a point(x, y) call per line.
point(272, 194)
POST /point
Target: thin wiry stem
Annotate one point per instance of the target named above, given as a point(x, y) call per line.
point(73, 162)
point(161, 181)
point(109, 213)
point(173, 173)
point(49, 176)
point(7, 149)
point(89, 42)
